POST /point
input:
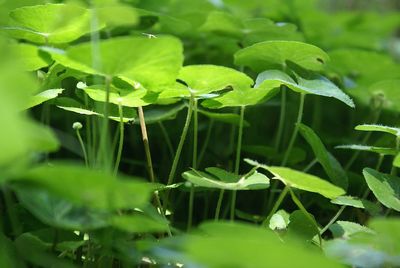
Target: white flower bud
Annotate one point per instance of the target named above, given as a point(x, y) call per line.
point(77, 125)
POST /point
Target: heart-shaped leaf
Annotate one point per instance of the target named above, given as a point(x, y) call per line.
point(301, 180)
point(331, 166)
point(254, 181)
point(386, 188)
point(204, 79)
point(50, 23)
point(275, 55)
point(320, 86)
point(133, 59)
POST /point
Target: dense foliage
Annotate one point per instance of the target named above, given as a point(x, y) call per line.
point(224, 133)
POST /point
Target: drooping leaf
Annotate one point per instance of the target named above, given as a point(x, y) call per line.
point(254, 181)
point(154, 115)
point(320, 86)
point(88, 188)
point(380, 128)
point(345, 229)
point(237, 244)
point(331, 166)
point(367, 148)
point(59, 213)
point(117, 58)
point(44, 96)
point(386, 188)
point(71, 105)
point(357, 203)
point(275, 54)
point(301, 226)
point(139, 223)
point(50, 23)
point(301, 180)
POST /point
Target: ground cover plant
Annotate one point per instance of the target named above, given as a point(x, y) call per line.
point(225, 133)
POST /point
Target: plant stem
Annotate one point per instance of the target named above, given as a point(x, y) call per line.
point(194, 161)
point(104, 138)
point(178, 151)
point(310, 165)
point(219, 204)
point(393, 171)
point(206, 141)
point(237, 161)
point(282, 116)
point(277, 204)
point(308, 215)
point(167, 139)
point(295, 131)
point(121, 139)
point(85, 156)
point(332, 220)
point(145, 140)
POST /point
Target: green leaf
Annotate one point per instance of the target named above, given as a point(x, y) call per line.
point(154, 115)
point(117, 15)
point(379, 128)
point(301, 180)
point(223, 23)
point(139, 223)
point(356, 202)
point(279, 221)
point(71, 105)
point(275, 54)
point(238, 245)
point(52, 23)
point(301, 226)
point(117, 58)
point(30, 57)
point(89, 188)
point(44, 96)
point(320, 86)
point(204, 79)
point(56, 212)
point(229, 118)
point(367, 148)
point(129, 98)
point(240, 97)
point(386, 188)
point(331, 166)
point(346, 229)
point(396, 161)
point(254, 181)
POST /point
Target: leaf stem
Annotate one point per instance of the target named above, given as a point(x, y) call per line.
point(219, 204)
point(206, 141)
point(282, 116)
point(332, 221)
point(237, 161)
point(178, 152)
point(277, 204)
point(308, 215)
point(167, 139)
point(104, 142)
point(295, 131)
point(121, 139)
point(194, 161)
point(85, 156)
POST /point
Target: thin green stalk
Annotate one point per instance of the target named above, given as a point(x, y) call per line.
point(282, 116)
point(219, 204)
point(332, 221)
point(296, 130)
point(308, 215)
point(104, 138)
point(121, 139)
point(237, 161)
point(167, 139)
point(85, 156)
point(277, 204)
point(290, 146)
point(206, 141)
point(310, 165)
point(375, 118)
point(393, 171)
point(194, 161)
point(178, 152)
point(89, 142)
